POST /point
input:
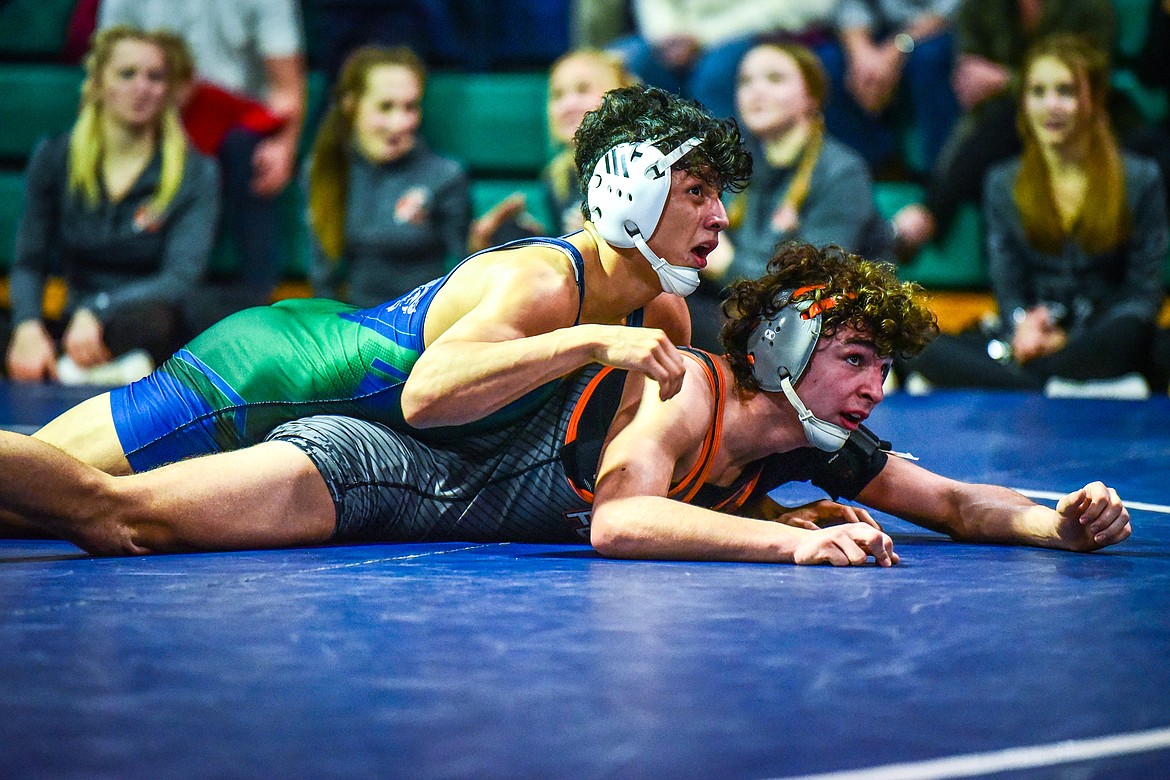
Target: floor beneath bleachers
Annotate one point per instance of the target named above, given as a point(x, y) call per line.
point(502, 661)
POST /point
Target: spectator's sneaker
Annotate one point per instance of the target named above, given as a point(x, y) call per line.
point(122, 370)
point(1128, 387)
point(916, 384)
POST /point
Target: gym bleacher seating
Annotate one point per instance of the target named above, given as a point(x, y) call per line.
point(34, 30)
point(493, 121)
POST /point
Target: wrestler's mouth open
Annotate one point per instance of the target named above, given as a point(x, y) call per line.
point(850, 420)
point(701, 251)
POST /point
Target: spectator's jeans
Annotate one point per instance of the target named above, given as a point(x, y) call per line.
point(711, 80)
point(925, 85)
point(250, 221)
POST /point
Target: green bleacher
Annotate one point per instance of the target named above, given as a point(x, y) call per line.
point(493, 122)
point(463, 116)
point(34, 30)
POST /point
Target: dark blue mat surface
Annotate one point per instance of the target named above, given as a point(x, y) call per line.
point(460, 660)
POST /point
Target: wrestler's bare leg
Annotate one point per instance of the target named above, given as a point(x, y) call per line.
point(86, 432)
point(269, 495)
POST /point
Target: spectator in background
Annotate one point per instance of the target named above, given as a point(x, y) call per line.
point(386, 214)
point(338, 27)
point(252, 48)
point(805, 185)
point(991, 38)
point(693, 47)
point(594, 24)
point(1153, 68)
point(1076, 239)
point(887, 51)
point(128, 211)
point(576, 84)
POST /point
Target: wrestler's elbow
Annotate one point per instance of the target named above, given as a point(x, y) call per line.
point(421, 404)
point(611, 534)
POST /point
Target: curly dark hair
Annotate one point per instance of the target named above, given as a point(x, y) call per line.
point(641, 113)
point(868, 296)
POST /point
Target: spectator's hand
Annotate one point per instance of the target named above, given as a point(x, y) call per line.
point(1092, 517)
point(486, 226)
point(83, 340)
point(977, 78)
point(678, 51)
point(31, 354)
point(823, 513)
point(873, 74)
point(272, 166)
point(851, 544)
point(1037, 336)
point(913, 225)
point(646, 350)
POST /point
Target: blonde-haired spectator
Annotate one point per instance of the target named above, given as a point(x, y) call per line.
point(126, 208)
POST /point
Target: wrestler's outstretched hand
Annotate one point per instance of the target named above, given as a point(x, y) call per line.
point(1092, 517)
point(822, 514)
point(851, 544)
point(646, 350)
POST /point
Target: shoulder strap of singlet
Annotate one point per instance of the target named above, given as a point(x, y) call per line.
point(686, 488)
point(594, 413)
point(570, 251)
point(588, 428)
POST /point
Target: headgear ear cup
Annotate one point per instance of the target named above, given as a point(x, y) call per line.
point(627, 193)
point(779, 351)
point(782, 345)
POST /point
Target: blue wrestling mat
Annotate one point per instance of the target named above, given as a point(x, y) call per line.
point(515, 661)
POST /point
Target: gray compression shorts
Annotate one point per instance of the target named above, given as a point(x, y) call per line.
point(506, 485)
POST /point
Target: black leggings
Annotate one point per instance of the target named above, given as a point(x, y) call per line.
point(1106, 349)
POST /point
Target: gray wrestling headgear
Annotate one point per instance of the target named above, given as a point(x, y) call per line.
point(626, 195)
point(779, 351)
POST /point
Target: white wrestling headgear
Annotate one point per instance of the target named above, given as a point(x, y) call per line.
point(626, 195)
point(779, 351)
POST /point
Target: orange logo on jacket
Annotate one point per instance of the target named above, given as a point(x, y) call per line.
point(411, 208)
point(147, 220)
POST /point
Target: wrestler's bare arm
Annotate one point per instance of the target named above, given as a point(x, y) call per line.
point(515, 335)
point(1084, 520)
point(632, 518)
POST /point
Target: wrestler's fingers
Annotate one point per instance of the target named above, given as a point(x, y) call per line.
point(881, 547)
point(835, 554)
point(857, 514)
point(1073, 505)
point(669, 389)
point(856, 550)
point(1112, 527)
point(675, 372)
point(1117, 531)
point(1096, 501)
point(1102, 511)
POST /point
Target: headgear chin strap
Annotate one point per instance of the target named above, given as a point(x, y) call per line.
point(675, 279)
point(821, 434)
point(780, 349)
point(626, 196)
